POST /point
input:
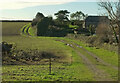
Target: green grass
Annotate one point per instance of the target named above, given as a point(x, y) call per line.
point(73, 69)
point(76, 71)
point(61, 71)
point(12, 28)
point(41, 73)
point(32, 31)
point(107, 56)
point(40, 43)
point(112, 72)
point(78, 67)
point(73, 26)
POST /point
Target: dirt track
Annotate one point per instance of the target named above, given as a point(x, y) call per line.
point(99, 75)
point(98, 59)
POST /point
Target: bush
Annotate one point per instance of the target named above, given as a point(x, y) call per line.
point(104, 33)
point(20, 57)
point(6, 48)
point(42, 26)
point(55, 31)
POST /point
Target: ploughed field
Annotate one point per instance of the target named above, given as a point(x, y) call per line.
point(71, 60)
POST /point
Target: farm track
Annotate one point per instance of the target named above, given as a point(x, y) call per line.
point(96, 57)
point(99, 75)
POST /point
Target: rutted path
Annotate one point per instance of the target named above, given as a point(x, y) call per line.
point(99, 75)
point(97, 58)
point(25, 30)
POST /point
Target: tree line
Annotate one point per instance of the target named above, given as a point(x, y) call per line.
point(47, 26)
point(62, 25)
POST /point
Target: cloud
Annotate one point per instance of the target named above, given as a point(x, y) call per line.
point(18, 4)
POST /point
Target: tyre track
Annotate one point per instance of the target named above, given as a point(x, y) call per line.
point(27, 30)
point(99, 75)
point(23, 29)
point(97, 58)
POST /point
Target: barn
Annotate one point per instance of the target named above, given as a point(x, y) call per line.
point(96, 20)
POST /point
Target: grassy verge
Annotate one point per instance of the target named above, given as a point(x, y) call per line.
point(107, 56)
point(32, 31)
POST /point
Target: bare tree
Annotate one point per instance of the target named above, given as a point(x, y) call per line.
point(113, 12)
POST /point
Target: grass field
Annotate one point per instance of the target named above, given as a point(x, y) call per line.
point(47, 44)
point(12, 28)
point(72, 67)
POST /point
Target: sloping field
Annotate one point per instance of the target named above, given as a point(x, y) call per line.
point(79, 62)
point(12, 28)
point(61, 70)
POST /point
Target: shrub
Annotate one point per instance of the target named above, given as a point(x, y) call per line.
point(28, 57)
point(55, 31)
point(104, 33)
point(42, 26)
point(6, 48)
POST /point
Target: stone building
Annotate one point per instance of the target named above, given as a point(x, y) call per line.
point(94, 21)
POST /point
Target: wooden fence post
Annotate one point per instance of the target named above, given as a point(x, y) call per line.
point(50, 65)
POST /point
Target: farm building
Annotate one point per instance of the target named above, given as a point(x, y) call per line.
point(96, 20)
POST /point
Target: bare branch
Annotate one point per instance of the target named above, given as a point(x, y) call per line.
point(113, 11)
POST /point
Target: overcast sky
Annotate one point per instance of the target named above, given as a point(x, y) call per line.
point(27, 9)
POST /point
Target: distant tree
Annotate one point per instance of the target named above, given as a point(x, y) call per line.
point(78, 16)
point(62, 15)
point(73, 16)
point(39, 15)
point(113, 11)
point(37, 18)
